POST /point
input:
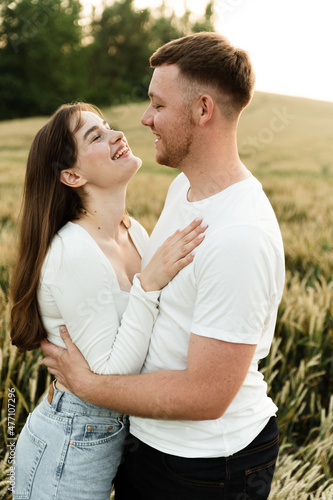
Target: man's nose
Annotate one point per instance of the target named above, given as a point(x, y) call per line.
point(147, 118)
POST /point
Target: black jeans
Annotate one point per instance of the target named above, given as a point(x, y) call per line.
point(148, 474)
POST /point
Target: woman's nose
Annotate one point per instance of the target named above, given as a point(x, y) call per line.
point(116, 135)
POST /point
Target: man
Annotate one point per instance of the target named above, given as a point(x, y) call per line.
point(202, 425)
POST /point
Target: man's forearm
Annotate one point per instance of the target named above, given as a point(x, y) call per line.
point(203, 391)
point(159, 395)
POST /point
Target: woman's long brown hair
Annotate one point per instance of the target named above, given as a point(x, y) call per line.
point(47, 206)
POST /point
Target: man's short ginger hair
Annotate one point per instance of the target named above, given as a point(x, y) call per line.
point(209, 59)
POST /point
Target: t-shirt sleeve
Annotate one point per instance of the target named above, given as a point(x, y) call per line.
point(79, 280)
point(236, 286)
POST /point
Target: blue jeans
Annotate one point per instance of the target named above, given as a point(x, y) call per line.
point(68, 450)
point(148, 474)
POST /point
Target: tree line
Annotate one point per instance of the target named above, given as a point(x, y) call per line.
point(50, 56)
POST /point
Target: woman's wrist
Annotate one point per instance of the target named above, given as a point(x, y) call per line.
point(147, 284)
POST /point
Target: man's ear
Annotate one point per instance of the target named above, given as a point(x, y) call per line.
point(71, 179)
point(205, 109)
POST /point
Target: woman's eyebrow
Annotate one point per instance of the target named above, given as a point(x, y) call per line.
point(91, 129)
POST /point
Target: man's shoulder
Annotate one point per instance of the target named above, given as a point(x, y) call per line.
point(179, 182)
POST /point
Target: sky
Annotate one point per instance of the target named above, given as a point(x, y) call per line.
point(290, 42)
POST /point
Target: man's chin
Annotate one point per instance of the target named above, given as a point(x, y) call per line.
point(165, 162)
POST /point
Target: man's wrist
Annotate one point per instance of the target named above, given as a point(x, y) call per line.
point(85, 386)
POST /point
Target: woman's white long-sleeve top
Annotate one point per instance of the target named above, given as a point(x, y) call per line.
point(79, 288)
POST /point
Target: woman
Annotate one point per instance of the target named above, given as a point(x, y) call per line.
point(78, 262)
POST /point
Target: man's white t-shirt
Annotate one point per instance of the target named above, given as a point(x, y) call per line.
point(230, 292)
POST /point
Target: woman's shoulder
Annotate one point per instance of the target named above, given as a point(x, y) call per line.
point(72, 245)
point(71, 238)
point(138, 235)
point(137, 227)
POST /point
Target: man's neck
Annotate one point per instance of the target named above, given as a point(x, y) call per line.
point(213, 173)
point(213, 163)
point(209, 185)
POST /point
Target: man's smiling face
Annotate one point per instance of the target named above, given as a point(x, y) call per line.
point(168, 117)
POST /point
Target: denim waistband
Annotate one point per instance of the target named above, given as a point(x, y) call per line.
point(69, 402)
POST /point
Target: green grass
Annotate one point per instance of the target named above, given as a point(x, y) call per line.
point(288, 144)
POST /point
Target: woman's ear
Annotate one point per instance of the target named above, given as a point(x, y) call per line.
point(71, 179)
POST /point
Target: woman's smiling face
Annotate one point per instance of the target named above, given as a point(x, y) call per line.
point(103, 153)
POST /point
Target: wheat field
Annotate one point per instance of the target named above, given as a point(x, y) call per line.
point(287, 143)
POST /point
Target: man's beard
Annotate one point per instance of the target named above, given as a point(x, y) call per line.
point(173, 155)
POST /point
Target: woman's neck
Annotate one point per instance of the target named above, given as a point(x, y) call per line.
point(102, 215)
